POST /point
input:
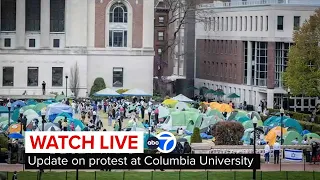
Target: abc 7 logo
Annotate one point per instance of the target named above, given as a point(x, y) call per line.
point(164, 142)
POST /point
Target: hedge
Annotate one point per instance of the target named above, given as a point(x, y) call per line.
point(297, 115)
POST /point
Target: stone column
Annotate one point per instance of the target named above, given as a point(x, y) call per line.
point(45, 24)
point(249, 63)
point(20, 24)
point(270, 98)
point(148, 21)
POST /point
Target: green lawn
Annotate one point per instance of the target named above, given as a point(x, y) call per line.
point(169, 175)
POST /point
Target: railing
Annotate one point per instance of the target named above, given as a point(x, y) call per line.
point(218, 4)
point(170, 175)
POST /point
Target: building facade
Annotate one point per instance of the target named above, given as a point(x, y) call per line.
point(46, 40)
point(242, 47)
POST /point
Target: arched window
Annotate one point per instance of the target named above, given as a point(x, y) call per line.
point(118, 13)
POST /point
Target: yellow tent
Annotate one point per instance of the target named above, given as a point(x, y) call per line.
point(170, 102)
point(215, 105)
point(225, 108)
point(271, 137)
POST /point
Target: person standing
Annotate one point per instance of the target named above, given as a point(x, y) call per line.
point(267, 152)
point(149, 112)
point(142, 112)
point(43, 88)
point(314, 147)
point(276, 152)
point(156, 115)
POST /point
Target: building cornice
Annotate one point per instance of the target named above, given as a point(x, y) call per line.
point(82, 51)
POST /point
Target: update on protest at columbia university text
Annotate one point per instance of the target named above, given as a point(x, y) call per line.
point(142, 161)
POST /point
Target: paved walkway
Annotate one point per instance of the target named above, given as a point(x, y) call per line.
point(264, 167)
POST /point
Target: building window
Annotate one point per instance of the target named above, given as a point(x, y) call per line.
point(7, 76)
point(222, 23)
point(57, 15)
point(117, 38)
point(161, 19)
point(236, 26)
point(261, 63)
point(117, 77)
point(280, 23)
point(240, 23)
point(267, 23)
point(245, 23)
point(118, 13)
point(32, 43)
point(209, 23)
point(282, 50)
point(56, 43)
point(159, 51)
point(296, 22)
point(160, 36)
point(261, 23)
point(231, 24)
point(8, 15)
point(218, 24)
point(7, 42)
point(227, 23)
point(256, 23)
point(33, 75)
point(33, 15)
point(251, 24)
point(214, 24)
point(57, 76)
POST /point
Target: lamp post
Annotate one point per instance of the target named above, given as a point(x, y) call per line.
point(66, 86)
point(255, 122)
point(43, 115)
point(9, 115)
point(288, 103)
point(281, 133)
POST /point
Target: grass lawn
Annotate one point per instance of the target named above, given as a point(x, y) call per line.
point(169, 175)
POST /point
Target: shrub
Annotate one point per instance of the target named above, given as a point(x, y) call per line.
point(228, 133)
point(3, 141)
point(196, 138)
point(98, 85)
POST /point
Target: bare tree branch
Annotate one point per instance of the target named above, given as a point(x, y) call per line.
point(74, 79)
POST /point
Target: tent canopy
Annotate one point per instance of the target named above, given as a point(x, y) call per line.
point(182, 98)
point(107, 92)
point(136, 92)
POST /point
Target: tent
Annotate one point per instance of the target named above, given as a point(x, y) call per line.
point(290, 136)
point(182, 98)
point(53, 110)
point(242, 119)
point(247, 134)
point(28, 107)
point(253, 114)
point(60, 98)
point(286, 122)
point(31, 102)
point(214, 112)
point(249, 124)
point(170, 102)
point(313, 135)
point(194, 119)
point(15, 115)
point(305, 132)
point(107, 93)
point(271, 137)
point(4, 109)
point(176, 120)
point(139, 127)
point(181, 105)
point(207, 122)
point(136, 92)
point(39, 107)
point(18, 103)
point(163, 112)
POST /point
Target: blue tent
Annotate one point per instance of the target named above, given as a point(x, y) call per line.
point(31, 102)
point(287, 122)
point(18, 103)
point(53, 110)
point(304, 132)
point(242, 119)
point(4, 109)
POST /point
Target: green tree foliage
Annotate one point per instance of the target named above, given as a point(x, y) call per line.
point(196, 138)
point(98, 85)
point(227, 133)
point(300, 76)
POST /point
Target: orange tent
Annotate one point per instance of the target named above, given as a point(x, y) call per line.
point(15, 128)
point(271, 137)
point(225, 108)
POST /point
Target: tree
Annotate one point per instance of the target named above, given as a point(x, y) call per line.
point(177, 13)
point(302, 75)
point(227, 133)
point(75, 79)
point(98, 85)
point(195, 137)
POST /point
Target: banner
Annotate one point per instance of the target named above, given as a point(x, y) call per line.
point(142, 161)
point(293, 155)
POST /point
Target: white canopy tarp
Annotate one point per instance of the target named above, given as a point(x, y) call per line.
point(107, 92)
point(136, 92)
point(182, 98)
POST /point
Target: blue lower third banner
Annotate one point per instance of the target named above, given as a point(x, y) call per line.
point(142, 161)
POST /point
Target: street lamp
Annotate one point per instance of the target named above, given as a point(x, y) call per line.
point(255, 122)
point(66, 86)
point(288, 103)
point(281, 124)
point(43, 115)
point(9, 109)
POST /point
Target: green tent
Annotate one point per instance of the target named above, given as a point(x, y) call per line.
point(139, 124)
point(209, 120)
point(249, 124)
point(15, 115)
point(58, 118)
point(25, 108)
point(233, 95)
point(214, 112)
point(290, 136)
point(29, 112)
point(3, 119)
point(313, 135)
point(60, 98)
point(39, 106)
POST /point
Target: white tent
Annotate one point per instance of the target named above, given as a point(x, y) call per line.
point(107, 92)
point(182, 98)
point(136, 92)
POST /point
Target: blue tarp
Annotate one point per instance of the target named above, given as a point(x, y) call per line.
point(18, 103)
point(53, 110)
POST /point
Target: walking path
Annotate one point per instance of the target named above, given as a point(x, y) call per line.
point(264, 167)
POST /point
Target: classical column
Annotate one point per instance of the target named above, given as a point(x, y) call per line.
point(45, 24)
point(249, 63)
point(148, 23)
point(20, 24)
